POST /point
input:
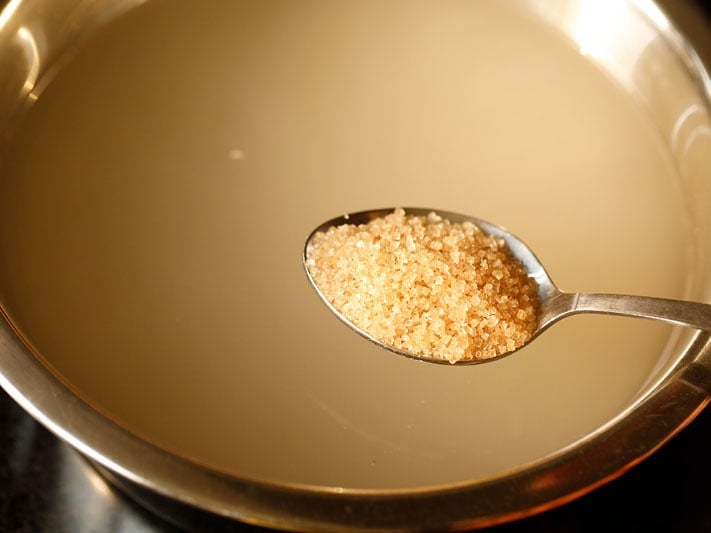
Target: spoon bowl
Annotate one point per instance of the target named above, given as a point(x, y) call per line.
point(553, 303)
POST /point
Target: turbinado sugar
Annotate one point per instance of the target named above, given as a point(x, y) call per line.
point(426, 285)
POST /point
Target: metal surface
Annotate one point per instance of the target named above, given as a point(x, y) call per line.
point(45, 485)
point(196, 496)
point(554, 303)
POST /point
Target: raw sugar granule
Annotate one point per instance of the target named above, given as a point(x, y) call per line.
point(425, 285)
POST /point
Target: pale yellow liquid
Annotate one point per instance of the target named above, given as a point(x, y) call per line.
point(155, 204)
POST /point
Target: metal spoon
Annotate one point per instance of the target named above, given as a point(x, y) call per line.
point(554, 303)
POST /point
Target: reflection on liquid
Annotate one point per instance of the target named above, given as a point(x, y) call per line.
point(690, 130)
point(594, 28)
point(7, 13)
point(29, 45)
point(600, 30)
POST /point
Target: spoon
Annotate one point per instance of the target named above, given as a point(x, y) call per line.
point(554, 304)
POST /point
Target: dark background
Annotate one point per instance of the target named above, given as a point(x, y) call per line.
point(46, 486)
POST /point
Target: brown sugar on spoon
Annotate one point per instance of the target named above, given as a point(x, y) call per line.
point(426, 285)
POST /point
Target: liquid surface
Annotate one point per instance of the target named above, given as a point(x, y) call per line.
point(154, 207)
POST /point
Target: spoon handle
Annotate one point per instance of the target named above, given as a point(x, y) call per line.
point(691, 314)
